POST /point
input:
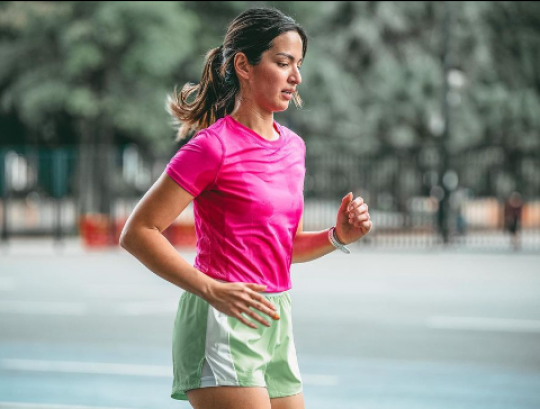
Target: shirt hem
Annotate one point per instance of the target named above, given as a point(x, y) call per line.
point(209, 274)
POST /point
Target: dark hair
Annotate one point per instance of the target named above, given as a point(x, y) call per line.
point(251, 33)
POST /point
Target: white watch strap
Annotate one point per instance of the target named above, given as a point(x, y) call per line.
point(336, 243)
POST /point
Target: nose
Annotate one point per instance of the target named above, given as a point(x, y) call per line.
point(296, 76)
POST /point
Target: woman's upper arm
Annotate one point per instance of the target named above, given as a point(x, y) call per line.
point(160, 206)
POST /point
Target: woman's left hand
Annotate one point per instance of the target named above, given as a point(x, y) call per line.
point(353, 220)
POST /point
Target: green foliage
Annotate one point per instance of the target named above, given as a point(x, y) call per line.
point(111, 63)
point(373, 75)
point(376, 76)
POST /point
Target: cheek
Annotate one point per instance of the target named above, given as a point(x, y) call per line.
point(269, 83)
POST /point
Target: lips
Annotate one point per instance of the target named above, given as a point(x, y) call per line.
point(287, 94)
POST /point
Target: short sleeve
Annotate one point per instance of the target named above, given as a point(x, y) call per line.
point(196, 164)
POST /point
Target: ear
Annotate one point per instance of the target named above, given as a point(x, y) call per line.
point(242, 66)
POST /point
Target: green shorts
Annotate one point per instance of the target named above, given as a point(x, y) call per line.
point(212, 349)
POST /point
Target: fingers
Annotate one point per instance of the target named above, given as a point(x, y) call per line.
point(256, 317)
point(366, 226)
point(250, 303)
point(345, 202)
point(238, 315)
point(356, 203)
point(241, 311)
point(357, 212)
point(256, 287)
point(255, 295)
point(347, 199)
point(265, 306)
point(363, 223)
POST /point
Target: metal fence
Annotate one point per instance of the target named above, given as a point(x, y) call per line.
point(72, 191)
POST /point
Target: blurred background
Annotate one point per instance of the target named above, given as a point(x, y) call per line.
point(429, 110)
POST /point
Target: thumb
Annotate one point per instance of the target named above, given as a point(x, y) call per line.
point(345, 202)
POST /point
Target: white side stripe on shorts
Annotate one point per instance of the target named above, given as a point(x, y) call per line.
point(218, 351)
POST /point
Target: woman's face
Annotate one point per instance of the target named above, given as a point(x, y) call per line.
point(273, 81)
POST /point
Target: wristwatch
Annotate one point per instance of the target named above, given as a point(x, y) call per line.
point(336, 243)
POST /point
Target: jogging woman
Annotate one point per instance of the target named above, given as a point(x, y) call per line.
point(245, 174)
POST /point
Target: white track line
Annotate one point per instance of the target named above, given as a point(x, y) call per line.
point(43, 308)
point(319, 380)
point(132, 308)
point(87, 368)
point(25, 405)
point(123, 369)
point(484, 324)
point(139, 308)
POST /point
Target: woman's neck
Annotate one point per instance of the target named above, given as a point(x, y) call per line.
point(262, 124)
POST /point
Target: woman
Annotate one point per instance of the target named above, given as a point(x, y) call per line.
point(245, 174)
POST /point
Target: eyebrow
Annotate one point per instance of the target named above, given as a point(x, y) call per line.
point(290, 57)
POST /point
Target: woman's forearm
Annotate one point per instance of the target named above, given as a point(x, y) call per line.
point(310, 245)
point(153, 250)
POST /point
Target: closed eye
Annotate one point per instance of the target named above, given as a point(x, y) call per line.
point(282, 64)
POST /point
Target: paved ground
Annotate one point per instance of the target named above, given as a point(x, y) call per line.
point(380, 329)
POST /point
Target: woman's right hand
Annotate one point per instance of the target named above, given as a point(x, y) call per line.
point(236, 299)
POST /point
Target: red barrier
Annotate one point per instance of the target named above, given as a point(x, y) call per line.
point(181, 235)
point(97, 232)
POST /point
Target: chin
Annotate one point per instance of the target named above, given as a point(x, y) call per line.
point(282, 107)
point(277, 106)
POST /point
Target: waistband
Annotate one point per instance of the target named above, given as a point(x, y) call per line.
point(270, 294)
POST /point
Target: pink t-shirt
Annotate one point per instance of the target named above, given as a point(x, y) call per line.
point(249, 197)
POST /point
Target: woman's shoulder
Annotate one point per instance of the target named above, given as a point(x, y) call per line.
point(211, 135)
point(206, 141)
point(217, 128)
point(292, 136)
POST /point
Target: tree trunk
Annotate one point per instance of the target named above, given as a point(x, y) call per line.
point(94, 169)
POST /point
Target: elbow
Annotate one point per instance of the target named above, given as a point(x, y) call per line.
point(125, 238)
point(132, 235)
point(122, 241)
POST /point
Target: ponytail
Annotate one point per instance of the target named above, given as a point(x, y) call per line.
point(197, 106)
point(214, 96)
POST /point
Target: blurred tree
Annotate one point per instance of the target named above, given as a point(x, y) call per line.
point(374, 81)
point(508, 96)
point(104, 68)
point(105, 63)
point(373, 74)
point(373, 78)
